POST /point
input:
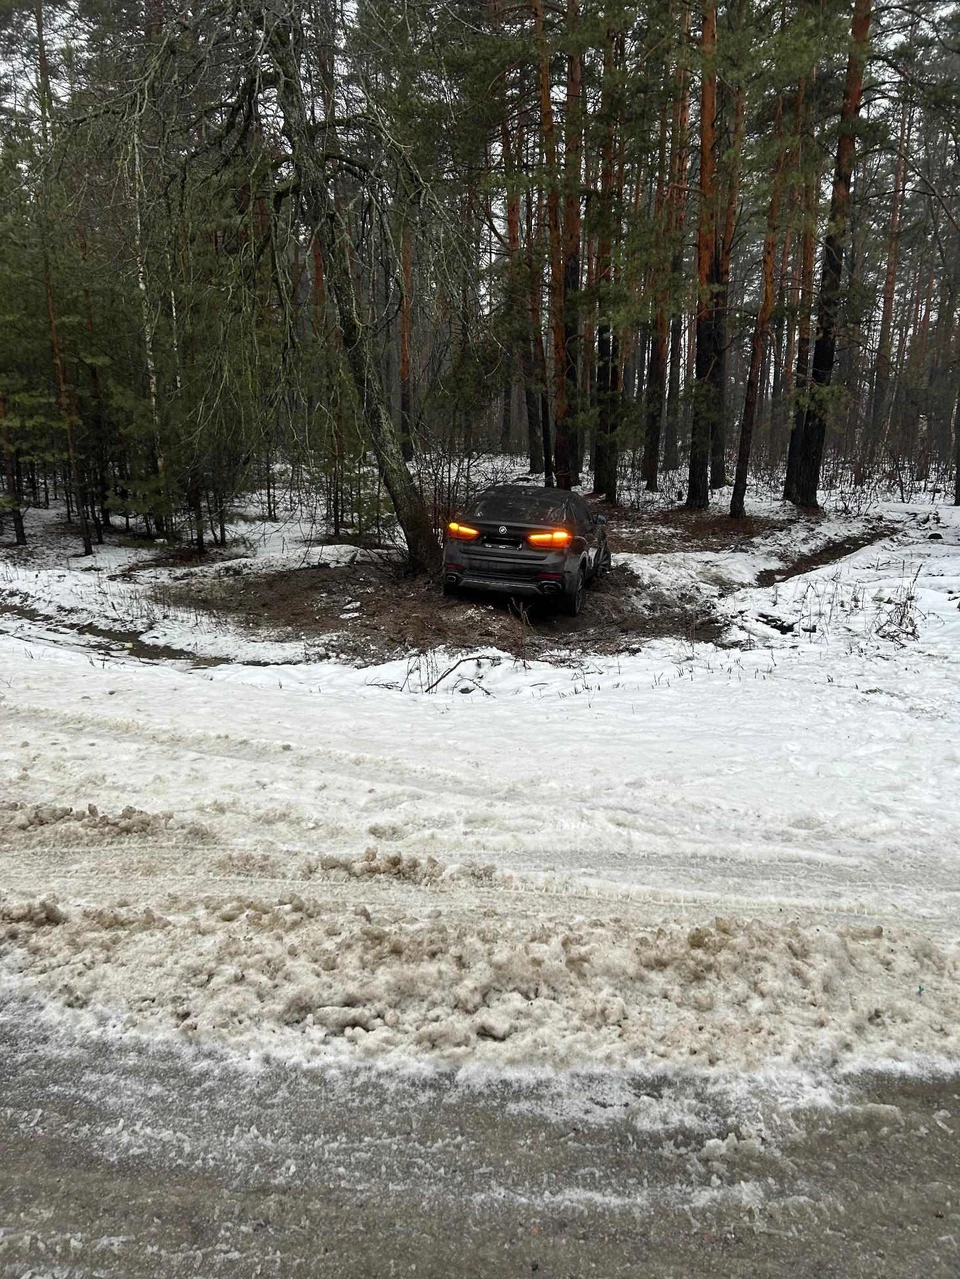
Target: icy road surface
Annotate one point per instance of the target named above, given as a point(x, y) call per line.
point(732, 855)
point(128, 1160)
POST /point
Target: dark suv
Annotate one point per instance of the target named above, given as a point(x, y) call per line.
point(526, 541)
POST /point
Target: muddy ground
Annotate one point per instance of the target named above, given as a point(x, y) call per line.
point(377, 611)
point(371, 610)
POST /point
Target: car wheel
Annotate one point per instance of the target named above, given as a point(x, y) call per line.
point(572, 601)
point(603, 561)
point(451, 590)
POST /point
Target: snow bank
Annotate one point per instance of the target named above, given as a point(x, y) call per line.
point(303, 975)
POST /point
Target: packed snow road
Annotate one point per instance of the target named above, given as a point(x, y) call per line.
point(739, 855)
point(745, 778)
point(423, 872)
point(135, 1160)
point(344, 957)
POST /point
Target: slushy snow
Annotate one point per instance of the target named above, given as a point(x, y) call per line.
point(724, 856)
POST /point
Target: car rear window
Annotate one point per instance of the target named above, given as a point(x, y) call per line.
point(513, 504)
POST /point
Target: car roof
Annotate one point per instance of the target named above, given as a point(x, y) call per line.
point(519, 501)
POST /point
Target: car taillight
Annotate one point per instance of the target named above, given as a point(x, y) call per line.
point(558, 538)
point(462, 532)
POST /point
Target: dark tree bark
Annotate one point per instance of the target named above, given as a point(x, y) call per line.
point(655, 398)
point(782, 352)
point(705, 408)
point(761, 333)
point(657, 367)
point(14, 496)
point(608, 389)
point(721, 289)
point(811, 185)
point(573, 147)
point(679, 145)
point(824, 352)
point(561, 412)
point(406, 324)
point(537, 398)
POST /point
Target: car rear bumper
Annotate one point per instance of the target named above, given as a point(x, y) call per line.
point(506, 585)
point(509, 572)
point(545, 584)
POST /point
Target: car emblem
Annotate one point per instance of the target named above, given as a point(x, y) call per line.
point(503, 528)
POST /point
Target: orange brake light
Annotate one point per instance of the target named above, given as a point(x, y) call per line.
point(559, 537)
point(462, 532)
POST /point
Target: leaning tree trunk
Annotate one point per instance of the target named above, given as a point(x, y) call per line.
point(286, 38)
point(824, 352)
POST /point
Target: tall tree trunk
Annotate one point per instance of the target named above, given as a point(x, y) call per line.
point(406, 320)
point(657, 367)
point(784, 330)
point(733, 163)
point(679, 147)
point(99, 415)
point(824, 351)
point(14, 496)
point(671, 429)
point(538, 366)
point(284, 47)
point(761, 332)
point(519, 314)
point(44, 95)
point(65, 404)
point(608, 390)
point(146, 316)
point(881, 385)
point(561, 411)
point(573, 148)
point(811, 186)
point(705, 407)
point(195, 503)
point(64, 401)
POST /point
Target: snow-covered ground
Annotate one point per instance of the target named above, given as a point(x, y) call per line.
point(729, 856)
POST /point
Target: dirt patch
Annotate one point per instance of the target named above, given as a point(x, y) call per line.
point(677, 529)
point(829, 554)
point(368, 612)
point(112, 639)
